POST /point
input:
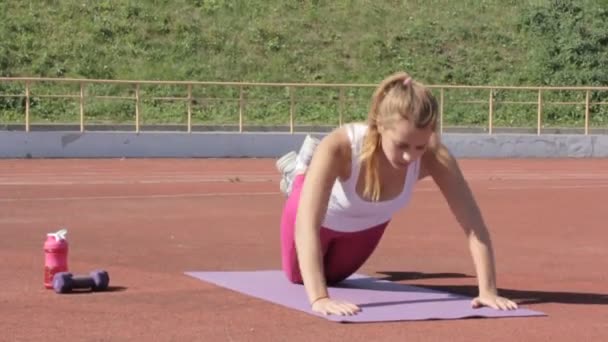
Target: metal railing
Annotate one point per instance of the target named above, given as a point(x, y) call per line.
point(82, 97)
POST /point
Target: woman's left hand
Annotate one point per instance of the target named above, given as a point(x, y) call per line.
point(494, 301)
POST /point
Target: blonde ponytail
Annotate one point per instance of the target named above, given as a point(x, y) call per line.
point(371, 144)
point(414, 102)
point(369, 158)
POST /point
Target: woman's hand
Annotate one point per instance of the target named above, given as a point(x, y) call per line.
point(328, 306)
point(493, 301)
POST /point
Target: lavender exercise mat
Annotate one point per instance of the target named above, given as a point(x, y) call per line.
point(379, 300)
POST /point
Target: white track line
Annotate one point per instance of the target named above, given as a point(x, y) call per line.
point(77, 179)
point(549, 187)
point(530, 187)
point(231, 179)
point(157, 196)
point(121, 173)
point(141, 181)
point(271, 193)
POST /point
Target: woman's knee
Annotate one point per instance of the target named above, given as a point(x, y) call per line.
point(349, 252)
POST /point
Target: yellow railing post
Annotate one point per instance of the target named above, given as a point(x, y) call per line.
point(587, 109)
point(341, 107)
point(441, 97)
point(539, 113)
point(27, 106)
point(137, 109)
point(189, 108)
point(81, 107)
point(491, 111)
point(241, 106)
point(292, 108)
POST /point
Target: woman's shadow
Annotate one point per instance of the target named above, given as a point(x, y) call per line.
point(520, 296)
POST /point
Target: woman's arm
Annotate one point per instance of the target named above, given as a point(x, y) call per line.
point(439, 163)
point(324, 169)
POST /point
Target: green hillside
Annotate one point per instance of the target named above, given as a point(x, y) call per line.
point(482, 42)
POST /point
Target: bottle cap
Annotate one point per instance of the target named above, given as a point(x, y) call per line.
point(59, 235)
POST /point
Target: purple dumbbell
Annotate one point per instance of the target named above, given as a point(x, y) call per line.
point(65, 282)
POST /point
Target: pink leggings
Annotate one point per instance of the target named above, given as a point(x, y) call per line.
point(343, 253)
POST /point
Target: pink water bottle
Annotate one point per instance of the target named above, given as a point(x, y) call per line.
point(55, 256)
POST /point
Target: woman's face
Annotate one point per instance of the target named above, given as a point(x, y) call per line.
point(402, 142)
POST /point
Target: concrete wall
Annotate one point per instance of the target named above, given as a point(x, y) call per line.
point(262, 144)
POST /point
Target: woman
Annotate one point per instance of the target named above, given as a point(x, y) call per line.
point(343, 190)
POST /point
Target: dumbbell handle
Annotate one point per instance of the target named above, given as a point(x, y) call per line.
point(83, 282)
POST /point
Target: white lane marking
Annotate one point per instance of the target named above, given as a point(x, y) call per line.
point(156, 196)
point(549, 187)
point(274, 193)
point(139, 180)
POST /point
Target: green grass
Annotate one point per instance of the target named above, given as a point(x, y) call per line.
point(481, 42)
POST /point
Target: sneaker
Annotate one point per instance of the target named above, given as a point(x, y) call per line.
point(291, 163)
point(286, 163)
point(286, 166)
point(305, 153)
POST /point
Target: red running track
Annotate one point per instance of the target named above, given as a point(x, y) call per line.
point(147, 221)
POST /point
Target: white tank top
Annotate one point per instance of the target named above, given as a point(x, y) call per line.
point(346, 210)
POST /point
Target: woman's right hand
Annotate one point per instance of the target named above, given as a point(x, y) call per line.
point(328, 306)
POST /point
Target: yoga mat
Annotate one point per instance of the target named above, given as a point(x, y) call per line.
point(379, 300)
